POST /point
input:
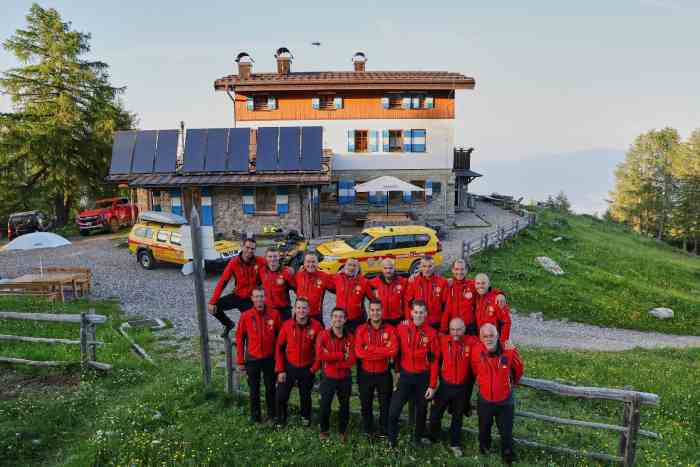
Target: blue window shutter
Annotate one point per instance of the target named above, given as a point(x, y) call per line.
point(176, 202)
point(338, 102)
point(415, 102)
point(428, 190)
point(248, 200)
point(352, 190)
point(373, 141)
point(406, 102)
point(282, 200)
point(271, 103)
point(156, 200)
point(385, 102)
point(385, 140)
point(343, 195)
point(207, 207)
point(315, 103)
point(249, 103)
point(407, 197)
point(406, 140)
point(418, 138)
point(429, 103)
point(351, 140)
point(372, 197)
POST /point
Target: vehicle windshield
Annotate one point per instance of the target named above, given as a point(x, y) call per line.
point(99, 204)
point(359, 241)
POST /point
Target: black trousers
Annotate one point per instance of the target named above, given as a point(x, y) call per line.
point(264, 367)
point(503, 413)
point(455, 397)
point(382, 384)
point(304, 380)
point(329, 389)
point(229, 302)
point(285, 313)
point(412, 386)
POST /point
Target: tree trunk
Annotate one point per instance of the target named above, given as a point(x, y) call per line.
point(62, 205)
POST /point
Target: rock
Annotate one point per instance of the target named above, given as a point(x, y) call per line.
point(538, 316)
point(557, 239)
point(661, 313)
point(549, 265)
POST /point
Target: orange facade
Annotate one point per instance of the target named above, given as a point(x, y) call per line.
point(356, 105)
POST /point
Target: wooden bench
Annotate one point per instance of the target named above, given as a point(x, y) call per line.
point(52, 291)
point(83, 276)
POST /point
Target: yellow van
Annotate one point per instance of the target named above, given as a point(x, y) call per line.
point(405, 244)
point(156, 237)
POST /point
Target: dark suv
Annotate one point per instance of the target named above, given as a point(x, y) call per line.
point(21, 223)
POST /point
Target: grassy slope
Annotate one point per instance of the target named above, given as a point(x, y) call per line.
point(138, 415)
point(613, 277)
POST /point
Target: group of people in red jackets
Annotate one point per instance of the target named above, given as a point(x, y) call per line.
point(421, 339)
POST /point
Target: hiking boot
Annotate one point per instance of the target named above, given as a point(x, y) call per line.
point(344, 438)
point(227, 330)
point(324, 436)
point(457, 451)
point(509, 458)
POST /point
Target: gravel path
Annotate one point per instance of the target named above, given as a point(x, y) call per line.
point(166, 293)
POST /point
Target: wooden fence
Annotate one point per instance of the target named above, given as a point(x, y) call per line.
point(629, 430)
point(88, 341)
point(497, 238)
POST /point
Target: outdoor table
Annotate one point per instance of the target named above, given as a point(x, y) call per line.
point(396, 218)
point(62, 278)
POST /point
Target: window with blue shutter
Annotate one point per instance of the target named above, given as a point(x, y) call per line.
point(315, 103)
point(407, 195)
point(429, 103)
point(248, 200)
point(415, 102)
point(407, 141)
point(385, 140)
point(418, 140)
point(155, 200)
point(351, 140)
point(385, 102)
point(373, 141)
point(271, 103)
point(406, 102)
point(249, 103)
point(176, 202)
point(346, 191)
point(338, 102)
point(282, 200)
point(428, 190)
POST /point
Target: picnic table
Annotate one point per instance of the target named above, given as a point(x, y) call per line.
point(61, 280)
point(395, 218)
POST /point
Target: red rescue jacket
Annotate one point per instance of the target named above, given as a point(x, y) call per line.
point(295, 344)
point(375, 347)
point(245, 275)
point(335, 355)
point(488, 311)
point(277, 285)
point(313, 287)
point(417, 347)
point(458, 298)
point(256, 334)
point(497, 372)
point(350, 293)
point(391, 294)
point(429, 290)
point(452, 360)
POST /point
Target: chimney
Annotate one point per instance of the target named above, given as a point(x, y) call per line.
point(359, 60)
point(284, 60)
point(245, 65)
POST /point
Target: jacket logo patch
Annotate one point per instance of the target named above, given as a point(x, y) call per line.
point(280, 280)
point(424, 340)
point(437, 290)
point(319, 283)
point(467, 295)
point(385, 336)
point(358, 289)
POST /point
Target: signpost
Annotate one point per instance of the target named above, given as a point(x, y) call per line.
point(201, 304)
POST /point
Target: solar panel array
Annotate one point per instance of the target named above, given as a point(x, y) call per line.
point(142, 152)
point(289, 149)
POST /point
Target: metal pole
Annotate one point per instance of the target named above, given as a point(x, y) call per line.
point(199, 296)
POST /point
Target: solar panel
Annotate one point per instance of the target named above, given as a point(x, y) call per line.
point(216, 150)
point(122, 150)
point(266, 158)
point(311, 147)
point(195, 149)
point(144, 152)
point(238, 149)
point(289, 149)
point(166, 152)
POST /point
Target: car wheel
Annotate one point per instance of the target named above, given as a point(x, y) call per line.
point(84, 233)
point(146, 260)
point(114, 225)
point(415, 267)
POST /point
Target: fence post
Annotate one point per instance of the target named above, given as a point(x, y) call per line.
point(628, 439)
point(486, 241)
point(200, 302)
point(517, 225)
point(463, 248)
point(92, 338)
point(230, 372)
point(83, 339)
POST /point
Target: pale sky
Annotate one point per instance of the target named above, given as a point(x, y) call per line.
point(552, 77)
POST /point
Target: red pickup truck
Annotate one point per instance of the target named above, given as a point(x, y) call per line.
point(107, 215)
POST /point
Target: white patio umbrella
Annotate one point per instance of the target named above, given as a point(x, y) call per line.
point(35, 241)
point(386, 183)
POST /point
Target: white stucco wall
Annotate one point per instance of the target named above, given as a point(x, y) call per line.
point(439, 142)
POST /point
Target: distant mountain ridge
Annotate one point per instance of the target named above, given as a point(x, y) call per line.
point(585, 176)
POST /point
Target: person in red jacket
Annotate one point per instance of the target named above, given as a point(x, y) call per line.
point(497, 371)
point(313, 284)
point(335, 354)
point(456, 378)
point(459, 298)
point(255, 351)
point(427, 287)
point(277, 280)
point(488, 309)
point(295, 354)
point(390, 289)
point(244, 269)
point(375, 345)
point(417, 348)
point(351, 288)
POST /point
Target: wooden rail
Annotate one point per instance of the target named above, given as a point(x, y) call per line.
point(629, 431)
point(497, 238)
point(88, 342)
